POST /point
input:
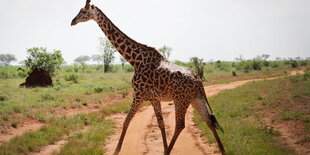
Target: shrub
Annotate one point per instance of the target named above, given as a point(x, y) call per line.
point(72, 77)
point(294, 63)
point(294, 79)
point(247, 66)
point(129, 68)
point(40, 59)
point(7, 72)
point(275, 64)
point(234, 73)
point(22, 74)
point(303, 63)
point(47, 96)
point(102, 89)
point(257, 64)
point(3, 97)
point(307, 75)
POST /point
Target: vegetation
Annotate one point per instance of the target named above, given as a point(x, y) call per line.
point(6, 59)
point(107, 51)
point(241, 112)
point(89, 141)
point(77, 89)
point(165, 51)
point(199, 67)
point(39, 59)
point(81, 60)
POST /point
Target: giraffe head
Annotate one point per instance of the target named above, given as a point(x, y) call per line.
point(87, 13)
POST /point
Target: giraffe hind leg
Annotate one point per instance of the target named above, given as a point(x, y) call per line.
point(160, 120)
point(180, 111)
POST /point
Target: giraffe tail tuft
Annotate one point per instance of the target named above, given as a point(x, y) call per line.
point(215, 123)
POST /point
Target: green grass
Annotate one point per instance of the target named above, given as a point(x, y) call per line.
point(91, 140)
point(235, 110)
point(240, 112)
point(91, 87)
point(78, 90)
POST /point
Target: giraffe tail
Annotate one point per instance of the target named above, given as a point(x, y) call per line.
point(213, 119)
point(215, 123)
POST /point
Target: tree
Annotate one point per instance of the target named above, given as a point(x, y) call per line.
point(97, 58)
point(165, 51)
point(82, 59)
point(240, 58)
point(123, 60)
point(40, 59)
point(199, 66)
point(6, 59)
point(106, 49)
point(265, 56)
point(278, 58)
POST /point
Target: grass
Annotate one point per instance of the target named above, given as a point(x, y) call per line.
point(76, 91)
point(90, 87)
point(240, 112)
point(235, 110)
point(91, 140)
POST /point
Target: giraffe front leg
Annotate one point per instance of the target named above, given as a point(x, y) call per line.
point(160, 120)
point(134, 108)
point(180, 111)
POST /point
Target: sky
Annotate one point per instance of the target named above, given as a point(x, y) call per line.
point(209, 29)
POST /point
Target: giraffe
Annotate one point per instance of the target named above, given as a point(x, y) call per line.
point(155, 80)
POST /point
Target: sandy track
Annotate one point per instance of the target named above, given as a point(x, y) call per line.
point(144, 137)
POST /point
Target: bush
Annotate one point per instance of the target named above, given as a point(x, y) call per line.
point(234, 73)
point(40, 59)
point(102, 89)
point(72, 77)
point(47, 97)
point(22, 74)
point(294, 63)
point(7, 72)
point(257, 64)
point(307, 75)
point(247, 66)
point(129, 68)
point(275, 64)
point(3, 97)
point(303, 63)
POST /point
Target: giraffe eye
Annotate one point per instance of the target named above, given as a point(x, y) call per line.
point(83, 12)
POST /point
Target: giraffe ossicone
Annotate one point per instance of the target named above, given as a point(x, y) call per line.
point(155, 79)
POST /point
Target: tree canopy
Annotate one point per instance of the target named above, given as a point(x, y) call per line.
point(165, 51)
point(199, 67)
point(6, 59)
point(106, 50)
point(82, 59)
point(39, 58)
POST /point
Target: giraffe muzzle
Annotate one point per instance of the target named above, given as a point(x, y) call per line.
point(73, 22)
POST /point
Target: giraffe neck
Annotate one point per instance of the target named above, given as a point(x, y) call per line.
point(126, 46)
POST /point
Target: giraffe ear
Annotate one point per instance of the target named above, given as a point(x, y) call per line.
point(87, 4)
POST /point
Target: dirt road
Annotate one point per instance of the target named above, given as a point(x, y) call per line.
point(144, 137)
